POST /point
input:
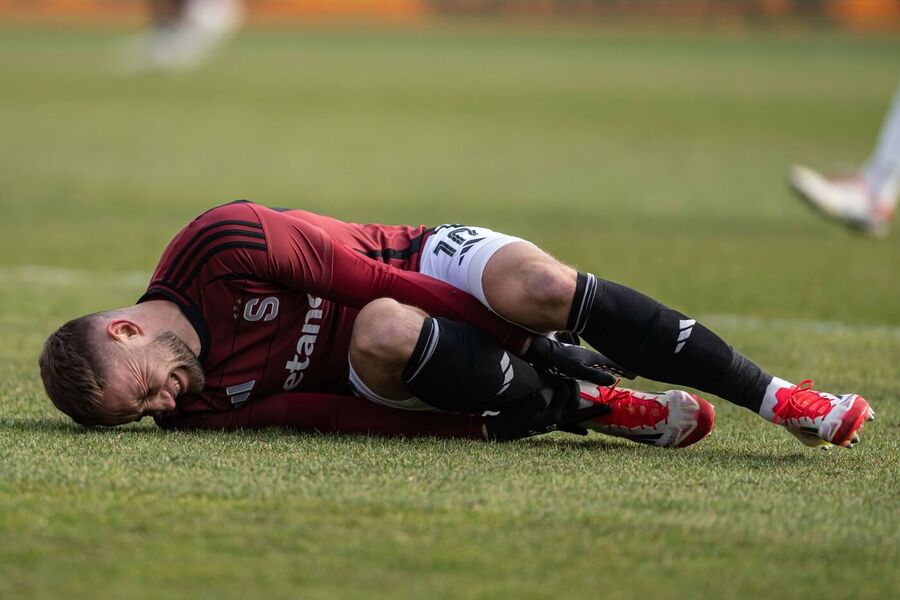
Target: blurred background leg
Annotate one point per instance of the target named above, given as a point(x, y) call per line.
point(183, 34)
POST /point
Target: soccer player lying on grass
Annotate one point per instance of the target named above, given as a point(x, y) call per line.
point(259, 317)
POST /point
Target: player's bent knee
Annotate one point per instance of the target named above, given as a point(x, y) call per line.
point(548, 284)
point(524, 284)
point(386, 331)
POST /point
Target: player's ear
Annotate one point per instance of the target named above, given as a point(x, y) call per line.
point(123, 329)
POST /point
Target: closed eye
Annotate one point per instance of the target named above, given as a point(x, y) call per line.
point(142, 396)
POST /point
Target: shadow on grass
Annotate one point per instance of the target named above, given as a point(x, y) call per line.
point(756, 459)
point(703, 456)
point(580, 443)
point(708, 457)
point(60, 426)
point(40, 426)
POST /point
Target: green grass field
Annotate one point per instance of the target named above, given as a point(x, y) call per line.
point(655, 160)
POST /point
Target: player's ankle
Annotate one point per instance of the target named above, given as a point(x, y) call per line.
point(770, 399)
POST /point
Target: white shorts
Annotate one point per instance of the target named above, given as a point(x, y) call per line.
point(458, 255)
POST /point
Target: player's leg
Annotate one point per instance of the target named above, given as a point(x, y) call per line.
point(384, 337)
point(525, 285)
point(882, 171)
point(865, 200)
point(511, 276)
point(183, 33)
point(401, 357)
point(165, 12)
point(660, 343)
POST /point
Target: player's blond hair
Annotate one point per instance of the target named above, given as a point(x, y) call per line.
point(72, 373)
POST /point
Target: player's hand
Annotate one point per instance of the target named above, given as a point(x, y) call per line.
point(569, 360)
point(556, 407)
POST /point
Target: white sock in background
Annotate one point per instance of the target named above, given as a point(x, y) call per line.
point(882, 171)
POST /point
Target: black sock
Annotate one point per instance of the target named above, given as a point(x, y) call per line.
point(456, 367)
point(659, 343)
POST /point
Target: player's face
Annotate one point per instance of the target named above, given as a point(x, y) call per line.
point(146, 379)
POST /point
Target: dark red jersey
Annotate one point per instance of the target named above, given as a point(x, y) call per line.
point(273, 295)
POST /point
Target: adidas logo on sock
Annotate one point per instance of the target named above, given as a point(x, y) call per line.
point(506, 367)
point(686, 326)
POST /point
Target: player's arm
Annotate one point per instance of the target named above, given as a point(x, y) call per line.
point(329, 413)
point(302, 256)
point(332, 413)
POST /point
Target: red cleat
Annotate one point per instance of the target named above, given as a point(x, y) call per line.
point(672, 419)
point(820, 419)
